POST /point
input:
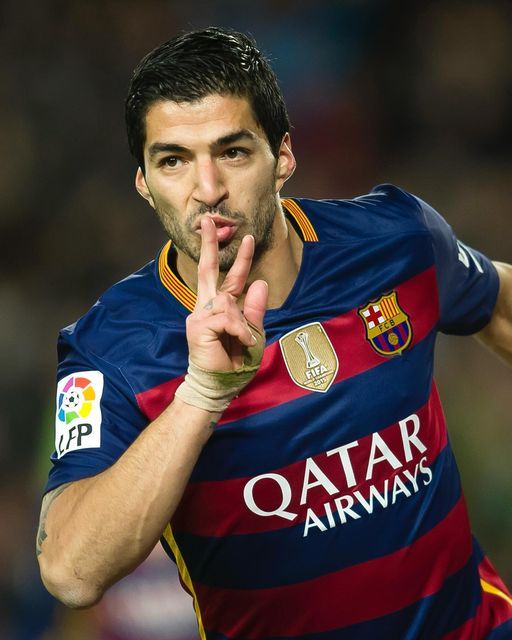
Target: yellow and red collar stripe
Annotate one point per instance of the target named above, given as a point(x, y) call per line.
point(308, 232)
point(172, 283)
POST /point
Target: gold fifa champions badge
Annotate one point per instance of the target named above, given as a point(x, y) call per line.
point(310, 357)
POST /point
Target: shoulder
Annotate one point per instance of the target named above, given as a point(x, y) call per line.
point(121, 321)
point(385, 210)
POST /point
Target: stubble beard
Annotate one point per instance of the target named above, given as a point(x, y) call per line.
point(259, 225)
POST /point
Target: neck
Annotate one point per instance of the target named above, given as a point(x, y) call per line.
point(278, 266)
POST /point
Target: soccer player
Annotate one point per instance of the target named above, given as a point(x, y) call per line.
point(260, 396)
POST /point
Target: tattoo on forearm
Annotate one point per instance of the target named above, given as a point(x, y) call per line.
point(209, 304)
point(47, 501)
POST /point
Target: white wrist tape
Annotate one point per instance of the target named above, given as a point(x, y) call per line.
point(214, 390)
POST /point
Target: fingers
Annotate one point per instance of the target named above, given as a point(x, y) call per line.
point(222, 316)
point(216, 336)
point(233, 325)
point(236, 277)
point(255, 303)
point(208, 267)
point(217, 330)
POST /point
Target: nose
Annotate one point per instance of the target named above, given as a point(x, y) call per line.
point(209, 188)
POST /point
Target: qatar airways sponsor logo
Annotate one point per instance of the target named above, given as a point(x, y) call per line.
point(384, 476)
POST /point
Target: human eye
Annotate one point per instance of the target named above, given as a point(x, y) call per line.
point(171, 162)
point(236, 153)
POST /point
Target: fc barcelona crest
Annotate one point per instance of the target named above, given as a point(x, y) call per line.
point(387, 325)
point(310, 357)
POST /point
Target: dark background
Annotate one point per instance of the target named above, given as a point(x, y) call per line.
point(414, 93)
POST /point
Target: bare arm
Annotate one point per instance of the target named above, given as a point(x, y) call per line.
point(497, 335)
point(96, 530)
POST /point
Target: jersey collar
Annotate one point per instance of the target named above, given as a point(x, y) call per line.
point(175, 285)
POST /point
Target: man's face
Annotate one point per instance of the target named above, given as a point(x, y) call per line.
point(210, 157)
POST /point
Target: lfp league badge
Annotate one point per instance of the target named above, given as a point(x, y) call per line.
point(78, 418)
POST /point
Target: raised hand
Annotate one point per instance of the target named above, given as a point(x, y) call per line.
point(225, 344)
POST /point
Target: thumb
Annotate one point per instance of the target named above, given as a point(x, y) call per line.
point(255, 303)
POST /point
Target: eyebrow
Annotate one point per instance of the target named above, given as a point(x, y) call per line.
point(230, 138)
point(242, 134)
point(168, 147)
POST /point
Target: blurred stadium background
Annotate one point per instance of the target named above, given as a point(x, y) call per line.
point(418, 94)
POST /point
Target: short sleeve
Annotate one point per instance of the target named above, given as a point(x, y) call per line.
point(97, 417)
point(467, 280)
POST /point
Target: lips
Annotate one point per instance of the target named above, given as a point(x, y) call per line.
point(226, 229)
point(224, 234)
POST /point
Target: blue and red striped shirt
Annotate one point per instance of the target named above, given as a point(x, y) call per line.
point(327, 504)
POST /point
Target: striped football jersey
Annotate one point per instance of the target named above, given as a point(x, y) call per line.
point(327, 504)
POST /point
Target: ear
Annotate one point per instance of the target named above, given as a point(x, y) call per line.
point(142, 187)
point(285, 162)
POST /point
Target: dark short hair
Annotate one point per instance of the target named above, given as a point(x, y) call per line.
point(201, 63)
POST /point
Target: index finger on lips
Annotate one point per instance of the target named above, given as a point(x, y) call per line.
point(208, 266)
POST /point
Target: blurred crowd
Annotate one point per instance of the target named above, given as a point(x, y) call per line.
point(418, 94)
